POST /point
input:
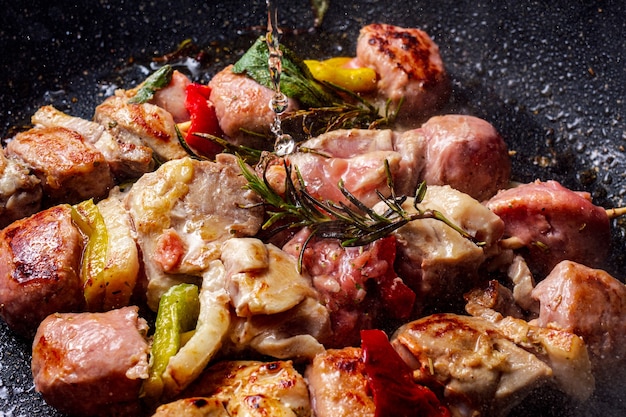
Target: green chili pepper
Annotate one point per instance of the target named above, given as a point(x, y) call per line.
point(178, 312)
point(87, 217)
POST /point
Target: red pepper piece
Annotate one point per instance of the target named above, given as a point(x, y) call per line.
point(391, 381)
point(203, 120)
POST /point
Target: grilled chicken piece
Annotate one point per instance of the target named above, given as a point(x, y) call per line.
point(436, 261)
point(40, 261)
point(277, 309)
point(193, 407)
point(338, 385)
point(466, 153)
point(251, 389)
point(20, 191)
point(92, 364)
point(172, 97)
point(550, 224)
point(127, 159)
point(183, 212)
point(591, 304)
point(242, 104)
point(140, 125)
point(563, 351)
point(70, 170)
point(481, 371)
point(409, 69)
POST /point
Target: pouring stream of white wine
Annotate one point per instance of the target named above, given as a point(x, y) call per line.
point(284, 144)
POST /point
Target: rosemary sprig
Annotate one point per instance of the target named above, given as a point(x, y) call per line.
point(352, 224)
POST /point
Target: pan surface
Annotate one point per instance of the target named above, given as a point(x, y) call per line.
point(550, 76)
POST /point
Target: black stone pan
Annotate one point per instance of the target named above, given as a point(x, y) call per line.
point(550, 75)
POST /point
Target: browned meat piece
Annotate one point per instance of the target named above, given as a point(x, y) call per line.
point(243, 104)
point(409, 68)
point(550, 223)
point(193, 407)
point(589, 303)
point(338, 385)
point(70, 170)
point(466, 153)
point(481, 371)
point(40, 260)
point(92, 364)
point(183, 212)
point(20, 191)
point(140, 125)
point(127, 160)
point(254, 389)
point(493, 296)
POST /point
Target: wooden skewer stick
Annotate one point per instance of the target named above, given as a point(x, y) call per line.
point(616, 212)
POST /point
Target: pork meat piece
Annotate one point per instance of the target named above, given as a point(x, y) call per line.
point(183, 212)
point(466, 153)
point(481, 371)
point(242, 104)
point(436, 261)
point(409, 69)
point(589, 303)
point(92, 364)
point(127, 159)
point(338, 385)
point(40, 261)
point(20, 191)
point(254, 389)
point(193, 407)
point(172, 97)
point(549, 223)
point(141, 125)
point(357, 157)
point(358, 285)
point(70, 170)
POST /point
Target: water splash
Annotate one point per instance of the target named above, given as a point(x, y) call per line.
point(284, 143)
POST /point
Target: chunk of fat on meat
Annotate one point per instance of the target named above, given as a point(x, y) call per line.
point(127, 159)
point(433, 259)
point(206, 341)
point(242, 104)
point(467, 153)
point(183, 212)
point(121, 268)
point(297, 333)
point(193, 407)
point(70, 170)
point(409, 67)
point(481, 371)
point(254, 388)
point(338, 385)
point(92, 364)
point(20, 191)
point(589, 303)
point(355, 144)
point(142, 125)
point(40, 261)
point(261, 278)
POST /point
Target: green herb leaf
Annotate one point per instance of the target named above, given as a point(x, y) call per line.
point(320, 7)
point(296, 80)
point(159, 79)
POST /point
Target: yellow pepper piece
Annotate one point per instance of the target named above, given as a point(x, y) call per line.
point(178, 312)
point(335, 71)
point(87, 217)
